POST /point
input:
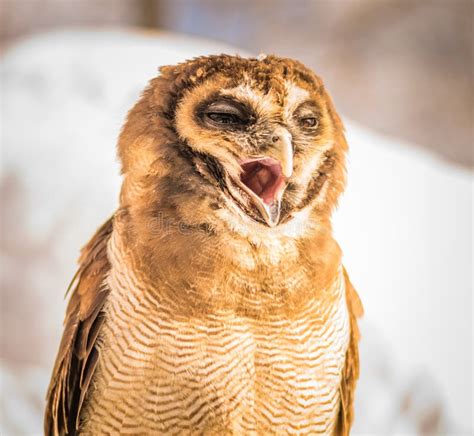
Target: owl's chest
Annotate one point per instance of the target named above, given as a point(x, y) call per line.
point(163, 373)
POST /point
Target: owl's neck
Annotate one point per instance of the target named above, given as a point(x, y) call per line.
point(204, 270)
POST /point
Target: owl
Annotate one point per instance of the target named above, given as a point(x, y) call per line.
point(214, 300)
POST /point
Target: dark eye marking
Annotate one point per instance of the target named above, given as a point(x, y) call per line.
point(226, 114)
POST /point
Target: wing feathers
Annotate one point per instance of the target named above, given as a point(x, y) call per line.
point(351, 369)
point(77, 356)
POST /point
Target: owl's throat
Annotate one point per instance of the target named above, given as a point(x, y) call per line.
point(262, 179)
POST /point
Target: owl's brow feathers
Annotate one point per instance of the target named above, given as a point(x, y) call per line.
point(266, 74)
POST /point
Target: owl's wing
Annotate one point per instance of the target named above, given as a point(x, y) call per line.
point(77, 356)
point(350, 372)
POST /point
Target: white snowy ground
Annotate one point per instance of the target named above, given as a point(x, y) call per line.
point(405, 225)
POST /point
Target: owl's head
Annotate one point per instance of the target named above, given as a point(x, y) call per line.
point(256, 141)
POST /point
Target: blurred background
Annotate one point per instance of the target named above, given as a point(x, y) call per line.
point(401, 75)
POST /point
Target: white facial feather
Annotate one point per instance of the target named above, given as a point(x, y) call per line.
point(294, 96)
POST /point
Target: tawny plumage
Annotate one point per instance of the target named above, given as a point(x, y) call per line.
point(214, 301)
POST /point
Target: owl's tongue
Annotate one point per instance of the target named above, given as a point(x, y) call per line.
point(263, 177)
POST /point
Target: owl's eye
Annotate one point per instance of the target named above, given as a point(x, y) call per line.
point(224, 118)
point(309, 122)
point(226, 114)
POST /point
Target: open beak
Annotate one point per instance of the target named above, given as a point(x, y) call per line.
point(264, 179)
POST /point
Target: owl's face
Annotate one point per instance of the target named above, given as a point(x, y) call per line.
point(262, 132)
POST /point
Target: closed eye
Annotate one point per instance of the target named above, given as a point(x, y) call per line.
point(224, 118)
point(224, 113)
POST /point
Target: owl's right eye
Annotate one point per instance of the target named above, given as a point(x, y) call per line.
point(226, 114)
point(224, 118)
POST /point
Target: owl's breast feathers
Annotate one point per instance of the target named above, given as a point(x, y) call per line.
point(81, 373)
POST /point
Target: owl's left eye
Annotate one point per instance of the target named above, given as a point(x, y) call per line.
point(309, 122)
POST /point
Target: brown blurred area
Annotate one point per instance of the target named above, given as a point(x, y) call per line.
point(404, 68)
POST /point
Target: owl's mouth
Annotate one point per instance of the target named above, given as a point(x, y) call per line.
point(263, 181)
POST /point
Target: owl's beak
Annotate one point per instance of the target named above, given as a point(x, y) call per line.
point(282, 150)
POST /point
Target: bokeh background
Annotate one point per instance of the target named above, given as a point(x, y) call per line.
point(401, 74)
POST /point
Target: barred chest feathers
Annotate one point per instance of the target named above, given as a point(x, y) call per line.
point(162, 372)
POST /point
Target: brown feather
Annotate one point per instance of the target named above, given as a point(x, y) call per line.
point(77, 356)
point(351, 369)
point(199, 286)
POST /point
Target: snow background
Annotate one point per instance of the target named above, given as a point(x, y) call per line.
point(405, 226)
